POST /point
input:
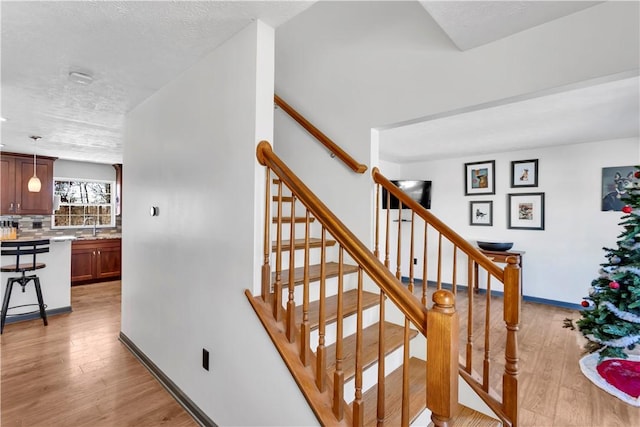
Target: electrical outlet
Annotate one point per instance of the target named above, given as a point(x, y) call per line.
point(415, 261)
point(205, 359)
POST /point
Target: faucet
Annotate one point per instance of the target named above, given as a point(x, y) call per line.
point(93, 218)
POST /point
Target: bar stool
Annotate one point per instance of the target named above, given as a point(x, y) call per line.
point(23, 248)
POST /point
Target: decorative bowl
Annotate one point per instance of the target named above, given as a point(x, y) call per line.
point(495, 246)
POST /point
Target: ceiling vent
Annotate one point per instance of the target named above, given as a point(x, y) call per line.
point(80, 78)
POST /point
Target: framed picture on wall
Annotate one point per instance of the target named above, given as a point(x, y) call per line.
point(614, 183)
point(526, 211)
point(479, 178)
point(481, 213)
point(524, 173)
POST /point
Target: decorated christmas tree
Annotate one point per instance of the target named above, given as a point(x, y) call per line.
point(611, 319)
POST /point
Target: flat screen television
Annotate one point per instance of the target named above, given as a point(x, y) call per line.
point(420, 191)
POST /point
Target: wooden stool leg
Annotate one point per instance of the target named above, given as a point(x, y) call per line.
point(5, 302)
point(43, 313)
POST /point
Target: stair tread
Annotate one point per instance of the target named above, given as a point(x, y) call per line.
point(472, 418)
point(331, 270)
point(299, 244)
point(417, 403)
point(393, 339)
point(393, 395)
point(350, 299)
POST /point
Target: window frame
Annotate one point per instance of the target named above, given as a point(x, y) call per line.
point(111, 205)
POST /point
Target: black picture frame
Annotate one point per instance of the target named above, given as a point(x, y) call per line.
point(479, 178)
point(524, 173)
point(615, 183)
point(526, 211)
point(481, 213)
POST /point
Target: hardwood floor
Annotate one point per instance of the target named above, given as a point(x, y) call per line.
point(553, 390)
point(75, 372)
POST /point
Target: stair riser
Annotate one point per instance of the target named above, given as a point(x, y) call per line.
point(314, 258)
point(370, 316)
point(419, 347)
point(349, 282)
point(286, 209)
point(424, 419)
point(419, 342)
point(370, 375)
point(314, 229)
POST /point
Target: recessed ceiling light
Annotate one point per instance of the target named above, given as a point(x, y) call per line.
point(80, 78)
point(2, 119)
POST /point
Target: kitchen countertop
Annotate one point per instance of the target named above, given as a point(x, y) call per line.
point(51, 238)
point(65, 238)
point(98, 237)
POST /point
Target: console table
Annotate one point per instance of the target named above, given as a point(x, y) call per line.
point(501, 257)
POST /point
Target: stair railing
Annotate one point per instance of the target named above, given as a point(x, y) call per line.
point(428, 230)
point(321, 385)
point(333, 148)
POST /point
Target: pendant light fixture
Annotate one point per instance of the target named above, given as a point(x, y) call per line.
point(34, 182)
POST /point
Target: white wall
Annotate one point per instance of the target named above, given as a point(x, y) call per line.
point(390, 169)
point(560, 261)
point(352, 66)
point(190, 150)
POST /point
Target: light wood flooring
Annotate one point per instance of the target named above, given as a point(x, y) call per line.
point(75, 372)
point(553, 390)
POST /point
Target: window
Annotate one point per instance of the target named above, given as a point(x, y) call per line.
point(82, 202)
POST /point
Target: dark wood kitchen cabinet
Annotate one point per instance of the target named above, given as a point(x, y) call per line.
point(15, 197)
point(95, 260)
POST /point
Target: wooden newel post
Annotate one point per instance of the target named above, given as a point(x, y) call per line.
point(512, 300)
point(442, 358)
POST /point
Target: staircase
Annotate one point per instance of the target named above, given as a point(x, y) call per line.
point(352, 335)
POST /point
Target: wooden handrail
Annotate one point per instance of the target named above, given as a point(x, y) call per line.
point(317, 134)
point(404, 300)
point(447, 232)
point(505, 406)
point(311, 371)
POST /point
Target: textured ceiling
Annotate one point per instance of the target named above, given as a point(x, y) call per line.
point(131, 49)
point(473, 23)
point(591, 111)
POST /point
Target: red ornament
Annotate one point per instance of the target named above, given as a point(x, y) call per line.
point(614, 285)
point(585, 303)
point(627, 209)
point(637, 174)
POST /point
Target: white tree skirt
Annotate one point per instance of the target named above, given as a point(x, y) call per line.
point(588, 365)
